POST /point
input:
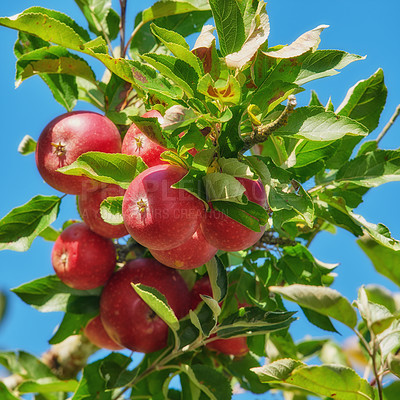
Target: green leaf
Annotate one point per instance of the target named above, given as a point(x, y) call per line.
point(114, 370)
point(241, 370)
point(169, 36)
point(48, 385)
point(391, 391)
point(314, 123)
point(177, 45)
point(111, 210)
point(253, 321)
point(212, 382)
point(103, 21)
point(25, 364)
point(385, 260)
point(323, 63)
point(220, 186)
point(256, 37)
point(227, 91)
point(314, 100)
point(229, 139)
point(307, 41)
point(251, 215)
point(3, 305)
point(236, 168)
point(321, 299)
point(49, 25)
point(377, 316)
point(71, 324)
point(27, 43)
point(230, 26)
point(63, 88)
point(169, 7)
point(218, 278)
point(6, 394)
point(158, 303)
point(193, 183)
point(365, 101)
point(50, 234)
point(178, 116)
point(147, 78)
point(311, 157)
point(177, 70)
point(92, 384)
point(27, 145)
point(371, 169)
point(151, 128)
point(23, 224)
point(319, 320)
point(334, 381)
point(49, 294)
point(118, 169)
point(52, 60)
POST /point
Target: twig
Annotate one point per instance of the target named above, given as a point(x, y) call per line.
point(122, 4)
point(389, 124)
point(135, 31)
point(261, 133)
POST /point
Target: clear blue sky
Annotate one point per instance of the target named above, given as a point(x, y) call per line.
point(359, 26)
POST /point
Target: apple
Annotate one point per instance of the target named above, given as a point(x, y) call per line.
point(68, 136)
point(236, 346)
point(83, 259)
point(127, 319)
point(193, 253)
point(89, 209)
point(136, 143)
point(228, 235)
point(96, 333)
point(158, 216)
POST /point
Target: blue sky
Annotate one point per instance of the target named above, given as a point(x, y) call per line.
point(361, 27)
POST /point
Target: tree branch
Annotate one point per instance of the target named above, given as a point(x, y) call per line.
point(389, 124)
point(261, 133)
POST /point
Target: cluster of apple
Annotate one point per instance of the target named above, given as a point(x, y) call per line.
point(172, 223)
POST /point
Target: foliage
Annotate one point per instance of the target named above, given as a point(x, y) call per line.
point(229, 101)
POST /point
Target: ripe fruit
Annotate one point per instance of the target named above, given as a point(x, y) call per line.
point(193, 253)
point(127, 319)
point(228, 235)
point(136, 143)
point(68, 136)
point(89, 209)
point(158, 216)
point(83, 259)
point(96, 333)
point(236, 346)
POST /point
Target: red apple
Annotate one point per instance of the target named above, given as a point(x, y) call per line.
point(127, 319)
point(191, 254)
point(136, 143)
point(96, 333)
point(83, 259)
point(89, 209)
point(158, 216)
point(68, 136)
point(236, 346)
point(228, 235)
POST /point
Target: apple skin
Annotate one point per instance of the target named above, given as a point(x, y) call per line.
point(236, 346)
point(96, 333)
point(191, 254)
point(136, 143)
point(158, 216)
point(228, 235)
point(89, 209)
point(127, 319)
point(83, 259)
point(68, 136)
